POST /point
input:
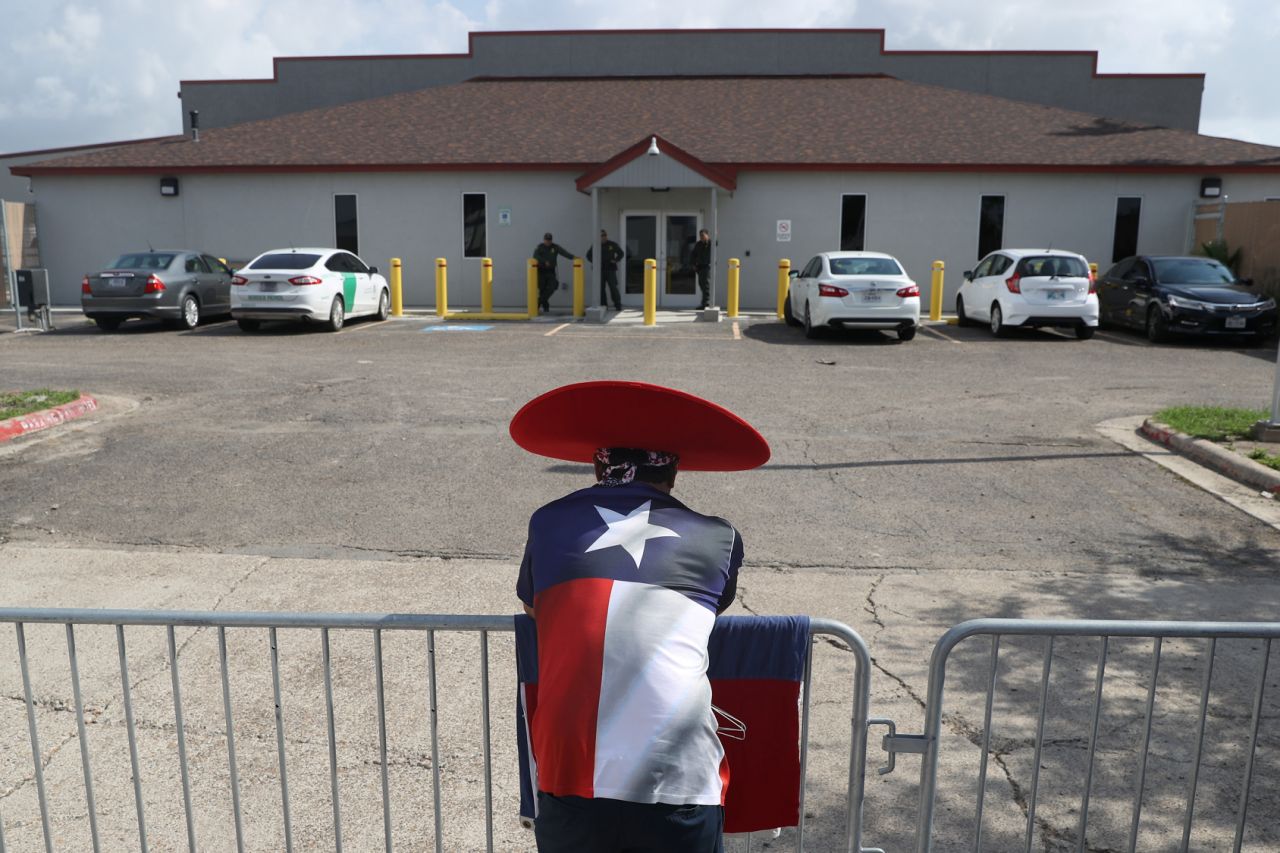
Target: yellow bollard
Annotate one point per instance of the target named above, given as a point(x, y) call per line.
point(650, 291)
point(734, 265)
point(486, 285)
point(578, 295)
point(442, 287)
point(532, 288)
point(397, 289)
point(1093, 268)
point(784, 284)
point(935, 291)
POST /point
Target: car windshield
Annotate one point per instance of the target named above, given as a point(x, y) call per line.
point(1052, 265)
point(285, 261)
point(864, 266)
point(1192, 271)
point(143, 261)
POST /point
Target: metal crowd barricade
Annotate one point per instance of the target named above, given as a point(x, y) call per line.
point(1210, 633)
point(324, 623)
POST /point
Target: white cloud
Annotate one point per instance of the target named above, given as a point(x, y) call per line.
point(84, 73)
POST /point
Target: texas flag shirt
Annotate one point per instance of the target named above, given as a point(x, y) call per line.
point(625, 583)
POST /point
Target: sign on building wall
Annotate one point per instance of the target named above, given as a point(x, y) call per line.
point(784, 230)
point(504, 216)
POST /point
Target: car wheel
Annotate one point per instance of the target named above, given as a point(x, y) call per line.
point(190, 317)
point(787, 313)
point(998, 328)
point(249, 325)
point(810, 331)
point(906, 334)
point(107, 324)
point(384, 307)
point(336, 315)
point(962, 319)
point(1084, 332)
point(1157, 326)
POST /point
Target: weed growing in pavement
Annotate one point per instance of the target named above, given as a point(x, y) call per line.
point(1260, 455)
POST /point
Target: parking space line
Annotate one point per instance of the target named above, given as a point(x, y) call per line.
point(934, 331)
point(1107, 336)
point(357, 328)
point(737, 331)
point(556, 329)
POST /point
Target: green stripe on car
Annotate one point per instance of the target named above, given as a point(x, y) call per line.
point(349, 291)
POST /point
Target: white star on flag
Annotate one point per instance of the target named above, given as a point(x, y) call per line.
point(629, 531)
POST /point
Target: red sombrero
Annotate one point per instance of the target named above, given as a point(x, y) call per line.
point(573, 421)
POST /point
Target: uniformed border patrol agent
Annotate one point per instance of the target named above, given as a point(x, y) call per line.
point(700, 260)
point(545, 254)
point(611, 253)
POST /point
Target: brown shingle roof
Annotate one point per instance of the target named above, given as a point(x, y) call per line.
point(806, 122)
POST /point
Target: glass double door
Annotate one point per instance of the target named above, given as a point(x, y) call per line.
point(668, 238)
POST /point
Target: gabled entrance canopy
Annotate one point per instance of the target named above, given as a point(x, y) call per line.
point(656, 162)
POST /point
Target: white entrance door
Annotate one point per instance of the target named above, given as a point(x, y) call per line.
point(668, 238)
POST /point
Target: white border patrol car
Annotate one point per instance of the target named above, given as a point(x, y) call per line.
point(313, 285)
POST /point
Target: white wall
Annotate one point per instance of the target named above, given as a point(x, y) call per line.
point(86, 221)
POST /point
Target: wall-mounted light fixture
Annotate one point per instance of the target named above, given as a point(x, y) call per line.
point(169, 186)
point(1210, 187)
point(653, 146)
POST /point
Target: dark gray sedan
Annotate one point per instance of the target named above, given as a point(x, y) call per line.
point(178, 285)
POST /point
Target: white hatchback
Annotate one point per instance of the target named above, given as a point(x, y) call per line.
point(1030, 288)
point(313, 285)
point(860, 290)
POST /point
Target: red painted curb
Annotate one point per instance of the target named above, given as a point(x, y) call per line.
point(1210, 455)
point(46, 418)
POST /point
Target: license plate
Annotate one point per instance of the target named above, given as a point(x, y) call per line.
point(268, 286)
point(1236, 322)
point(115, 282)
point(1057, 295)
point(871, 296)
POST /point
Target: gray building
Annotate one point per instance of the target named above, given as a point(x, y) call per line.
point(783, 144)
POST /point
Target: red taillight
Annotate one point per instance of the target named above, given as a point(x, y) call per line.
point(239, 280)
point(84, 285)
point(1093, 281)
point(825, 289)
point(909, 290)
point(153, 285)
point(304, 279)
point(1014, 283)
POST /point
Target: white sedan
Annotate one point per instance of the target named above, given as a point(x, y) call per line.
point(313, 285)
point(861, 290)
point(1030, 288)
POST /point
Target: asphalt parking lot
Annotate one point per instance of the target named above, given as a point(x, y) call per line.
point(912, 486)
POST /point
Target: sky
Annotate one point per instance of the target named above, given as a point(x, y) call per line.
point(77, 72)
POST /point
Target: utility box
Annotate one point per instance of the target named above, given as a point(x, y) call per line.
point(33, 294)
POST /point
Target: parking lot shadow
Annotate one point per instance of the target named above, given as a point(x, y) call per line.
point(782, 334)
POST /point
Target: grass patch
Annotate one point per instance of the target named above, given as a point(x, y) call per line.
point(1212, 422)
point(16, 403)
point(1260, 455)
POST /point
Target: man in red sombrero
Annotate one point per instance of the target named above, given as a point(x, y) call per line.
point(624, 583)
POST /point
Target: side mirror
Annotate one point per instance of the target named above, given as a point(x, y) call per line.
point(373, 270)
point(1141, 281)
point(794, 274)
point(968, 275)
point(1247, 282)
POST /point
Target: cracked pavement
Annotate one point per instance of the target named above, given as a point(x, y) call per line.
point(912, 487)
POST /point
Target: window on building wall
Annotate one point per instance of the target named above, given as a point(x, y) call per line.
point(990, 225)
point(1128, 212)
point(346, 232)
point(474, 236)
point(853, 222)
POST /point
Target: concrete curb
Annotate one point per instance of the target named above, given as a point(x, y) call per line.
point(45, 418)
point(1227, 462)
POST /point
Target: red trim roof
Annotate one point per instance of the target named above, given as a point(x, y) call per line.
point(792, 123)
point(725, 179)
